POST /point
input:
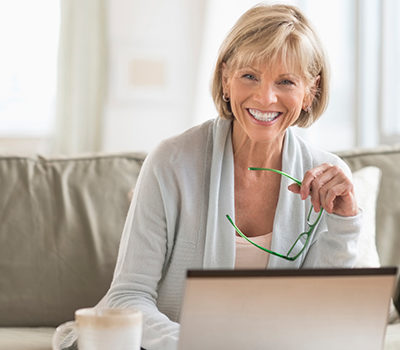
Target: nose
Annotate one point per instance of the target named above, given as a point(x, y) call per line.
point(266, 93)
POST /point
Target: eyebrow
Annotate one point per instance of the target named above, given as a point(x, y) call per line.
point(291, 75)
point(248, 68)
point(288, 74)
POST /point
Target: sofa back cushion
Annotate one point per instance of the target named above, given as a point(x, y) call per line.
point(60, 224)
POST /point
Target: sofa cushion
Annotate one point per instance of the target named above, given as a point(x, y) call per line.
point(61, 220)
point(37, 338)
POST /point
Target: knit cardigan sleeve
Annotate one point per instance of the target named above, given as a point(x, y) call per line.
point(142, 259)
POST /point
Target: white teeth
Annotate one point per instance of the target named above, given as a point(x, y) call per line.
point(264, 117)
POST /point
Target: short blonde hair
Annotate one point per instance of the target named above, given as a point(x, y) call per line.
point(267, 33)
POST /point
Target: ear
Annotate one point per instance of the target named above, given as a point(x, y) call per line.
point(309, 98)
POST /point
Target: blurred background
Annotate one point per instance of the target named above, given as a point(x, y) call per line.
point(80, 76)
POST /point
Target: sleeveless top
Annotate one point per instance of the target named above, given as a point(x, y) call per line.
point(249, 256)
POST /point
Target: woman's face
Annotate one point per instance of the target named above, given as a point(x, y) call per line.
point(265, 100)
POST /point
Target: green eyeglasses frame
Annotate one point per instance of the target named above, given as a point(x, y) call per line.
point(306, 234)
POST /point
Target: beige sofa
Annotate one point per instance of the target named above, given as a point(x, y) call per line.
point(61, 221)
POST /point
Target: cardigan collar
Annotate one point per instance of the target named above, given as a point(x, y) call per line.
point(219, 249)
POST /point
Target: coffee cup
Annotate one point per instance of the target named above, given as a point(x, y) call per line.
point(102, 329)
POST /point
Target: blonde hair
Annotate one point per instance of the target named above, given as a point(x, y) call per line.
point(271, 33)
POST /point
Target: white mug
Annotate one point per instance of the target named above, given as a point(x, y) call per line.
point(102, 329)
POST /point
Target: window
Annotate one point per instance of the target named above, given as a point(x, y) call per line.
point(29, 40)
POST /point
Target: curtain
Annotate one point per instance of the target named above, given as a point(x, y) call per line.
point(81, 77)
point(389, 130)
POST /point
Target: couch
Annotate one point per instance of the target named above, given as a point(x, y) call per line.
point(61, 220)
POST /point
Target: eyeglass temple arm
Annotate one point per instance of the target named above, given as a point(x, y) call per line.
point(278, 172)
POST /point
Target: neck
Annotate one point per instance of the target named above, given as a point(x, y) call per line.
point(250, 153)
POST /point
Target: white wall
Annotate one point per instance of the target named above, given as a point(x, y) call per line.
point(154, 51)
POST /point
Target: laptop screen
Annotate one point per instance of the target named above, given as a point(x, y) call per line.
point(286, 309)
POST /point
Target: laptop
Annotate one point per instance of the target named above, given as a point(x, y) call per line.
point(309, 309)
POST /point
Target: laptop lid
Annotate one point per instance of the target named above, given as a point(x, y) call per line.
point(286, 309)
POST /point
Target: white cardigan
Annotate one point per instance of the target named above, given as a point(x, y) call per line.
point(177, 222)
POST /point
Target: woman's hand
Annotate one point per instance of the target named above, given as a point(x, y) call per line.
point(329, 188)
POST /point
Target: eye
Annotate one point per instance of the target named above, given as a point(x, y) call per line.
point(286, 82)
point(249, 76)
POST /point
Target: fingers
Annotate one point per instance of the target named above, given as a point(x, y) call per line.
point(295, 188)
point(313, 180)
point(322, 184)
point(329, 188)
point(330, 191)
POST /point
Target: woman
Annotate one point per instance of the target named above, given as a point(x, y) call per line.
point(271, 74)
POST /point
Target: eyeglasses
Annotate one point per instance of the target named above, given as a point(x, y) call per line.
point(312, 222)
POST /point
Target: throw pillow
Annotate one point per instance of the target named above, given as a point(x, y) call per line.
point(366, 185)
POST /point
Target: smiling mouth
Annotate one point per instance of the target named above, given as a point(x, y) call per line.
point(264, 117)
